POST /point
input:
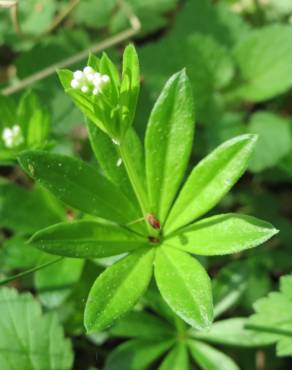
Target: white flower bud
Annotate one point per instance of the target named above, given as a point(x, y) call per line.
point(78, 75)
point(74, 84)
point(89, 81)
point(12, 137)
point(85, 89)
point(105, 78)
point(88, 70)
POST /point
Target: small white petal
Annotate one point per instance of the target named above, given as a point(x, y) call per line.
point(96, 81)
point(78, 75)
point(90, 77)
point(6, 134)
point(105, 78)
point(84, 89)
point(95, 91)
point(74, 84)
point(88, 70)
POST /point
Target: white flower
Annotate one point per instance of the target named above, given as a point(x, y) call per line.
point(12, 137)
point(89, 81)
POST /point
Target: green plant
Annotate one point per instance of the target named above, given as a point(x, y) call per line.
point(157, 331)
point(160, 227)
point(23, 126)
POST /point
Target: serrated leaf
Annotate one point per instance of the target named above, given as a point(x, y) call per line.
point(210, 180)
point(29, 339)
point(85, 239)
point(79, 185)
point(168, 142)
point(136, 354)
point(210, 358)
point(117, 289)
point(222, 234)
point(232, 332)
point(264, 59)
point(184, 285)
point(275, 140)
point(177, 359)
point(273, 317)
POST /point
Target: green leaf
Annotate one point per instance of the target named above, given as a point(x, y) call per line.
point(232, 332)
point(275, 140)
point(79, 185)
point(28, 338)
point(222, 234)
point(136, 354)
point(273, 317)
point(264, 60)
point(185, 286)
point(142, 325)
point(118, 289)
point(108, 158)
point(168, 142)
point(55, 282)
point(85, 239)
point(38, 128)
point(210, 358)
point(210, 180)
point(229, 286)
point(26, 211)
point(107, 67)
point(92, 111)
point(130, 86)
point(8, 112)
point(28, 105)
point(177, 359)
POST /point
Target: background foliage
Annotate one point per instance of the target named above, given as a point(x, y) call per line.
point(238, 56)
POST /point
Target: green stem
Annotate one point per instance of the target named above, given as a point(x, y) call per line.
point(180, 326)
point(30, 271)
point(135, 181)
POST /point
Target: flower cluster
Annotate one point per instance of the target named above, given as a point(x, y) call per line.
point(89, 81)
point(12, 137)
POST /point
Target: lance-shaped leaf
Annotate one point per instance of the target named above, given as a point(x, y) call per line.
point(209, 358)
point(79, 185)
point(85, 239)
point(130, 86)
point(210, 180)
point(118, 289)
point(109, 159)
point(222, 234)
point(177, 359)
point(168, 142)
point(136, 354)
point(232, 332)
point(185, 286)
